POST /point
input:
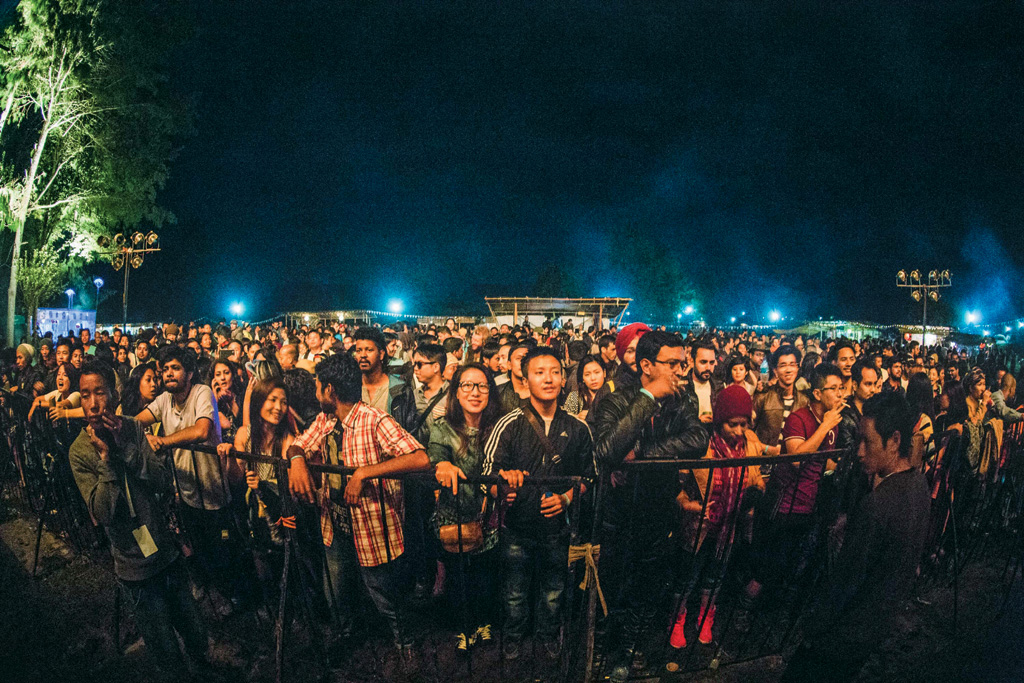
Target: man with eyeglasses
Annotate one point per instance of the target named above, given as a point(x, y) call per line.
point(650, 420)
point(793, 487)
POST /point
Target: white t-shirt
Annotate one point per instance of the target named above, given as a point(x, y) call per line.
point(74, 398)
point(200, 403)
point(703, 396)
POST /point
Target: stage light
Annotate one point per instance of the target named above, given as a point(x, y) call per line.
point(775, 316)
point(688, 310)
point(395, 306)
point(971, 317)
point(237, 309)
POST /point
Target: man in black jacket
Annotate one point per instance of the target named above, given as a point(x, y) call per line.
point(538, 439)
point(649, 421)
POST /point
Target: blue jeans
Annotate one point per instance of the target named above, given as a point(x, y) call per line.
point(163, 605)
point(386, 584)
point(522, 557)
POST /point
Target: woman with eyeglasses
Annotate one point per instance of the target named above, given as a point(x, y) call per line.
point(456, 449)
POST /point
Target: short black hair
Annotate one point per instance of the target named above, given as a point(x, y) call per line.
point(489, 350)
point(434, 353)
point(452, 344)
point(833, 354)
point(821, 373)
point(857, 371)
point(577, 350)
point(784, 350)
point(606, 340)
point(98, 367)
point(702, 343)
point(371, 334)
point(537, 352)
point(341, 372)
point(651, 344)
point(185, 356)
point(891, 414)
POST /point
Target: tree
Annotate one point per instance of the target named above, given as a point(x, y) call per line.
point(40, 276)
point(89, 122)
point(555, 282)
point(656, 275)
point(46, 54)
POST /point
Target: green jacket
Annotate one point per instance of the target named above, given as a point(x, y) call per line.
point(444, 445)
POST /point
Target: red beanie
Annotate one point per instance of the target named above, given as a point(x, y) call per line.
point(733, 401)
point(626, 336)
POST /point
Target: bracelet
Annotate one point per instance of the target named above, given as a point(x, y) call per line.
point(565, 500)
point(297, 456)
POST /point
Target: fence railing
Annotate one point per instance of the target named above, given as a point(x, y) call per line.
point(976, 515)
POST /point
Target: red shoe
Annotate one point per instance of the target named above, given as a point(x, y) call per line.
point(678, 637)
point(705, 630)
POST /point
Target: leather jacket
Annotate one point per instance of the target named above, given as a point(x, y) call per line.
point(630, 424)
point(769, 406)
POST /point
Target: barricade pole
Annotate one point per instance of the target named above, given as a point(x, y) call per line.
point(698, 567)
point(462, 579)
point(569, 592)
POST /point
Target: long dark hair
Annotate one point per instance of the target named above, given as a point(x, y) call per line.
point(72, 373)
point(258, 428)
point(582, 390)
point(457, 419)
point(131, 402)
point(920, 396)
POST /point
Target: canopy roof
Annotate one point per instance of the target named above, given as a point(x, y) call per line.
point(606, 307)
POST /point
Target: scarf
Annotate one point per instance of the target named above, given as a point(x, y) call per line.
point(726, 489)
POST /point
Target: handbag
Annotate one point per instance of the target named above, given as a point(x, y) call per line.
point(472, 537)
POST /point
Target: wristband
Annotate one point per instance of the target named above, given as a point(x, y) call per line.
point(300, 455)
point(565, 501)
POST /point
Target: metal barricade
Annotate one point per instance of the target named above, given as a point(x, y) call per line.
point(976, 517)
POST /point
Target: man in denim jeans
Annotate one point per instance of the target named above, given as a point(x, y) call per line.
point(124, 484)
point(538, 439)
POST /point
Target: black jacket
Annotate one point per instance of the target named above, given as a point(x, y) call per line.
point(716, 386)
point(403, 409)
point(630, 421)
point(513, 444)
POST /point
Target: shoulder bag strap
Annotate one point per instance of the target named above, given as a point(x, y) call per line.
point(422, 417)
point(545, 442)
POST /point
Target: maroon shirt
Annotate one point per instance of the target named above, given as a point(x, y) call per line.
point(800, 480)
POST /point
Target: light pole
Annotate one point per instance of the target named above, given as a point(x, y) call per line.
point(922, 290)
point(128, 252)
point(71, 296)
point(99, 283)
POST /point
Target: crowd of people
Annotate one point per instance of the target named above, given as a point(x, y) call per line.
point(168, 412)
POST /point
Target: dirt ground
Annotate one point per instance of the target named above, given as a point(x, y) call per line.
point(59, 627)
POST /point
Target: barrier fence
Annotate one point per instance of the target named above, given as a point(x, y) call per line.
point(976, 513)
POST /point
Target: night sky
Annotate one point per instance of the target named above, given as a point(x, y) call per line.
point(791, 156)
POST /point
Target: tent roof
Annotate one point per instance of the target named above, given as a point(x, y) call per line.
point(609, 307)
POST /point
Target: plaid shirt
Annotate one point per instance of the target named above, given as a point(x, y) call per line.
point(368, 437)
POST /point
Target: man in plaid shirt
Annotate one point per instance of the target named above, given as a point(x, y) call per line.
point(363, 512)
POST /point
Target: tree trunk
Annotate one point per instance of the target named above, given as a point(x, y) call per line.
point(7, 108)
point(19, 222)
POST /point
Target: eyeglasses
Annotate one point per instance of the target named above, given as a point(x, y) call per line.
point(673, 363)
point(420, 364)
point(468, 387)
point(835, 388)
